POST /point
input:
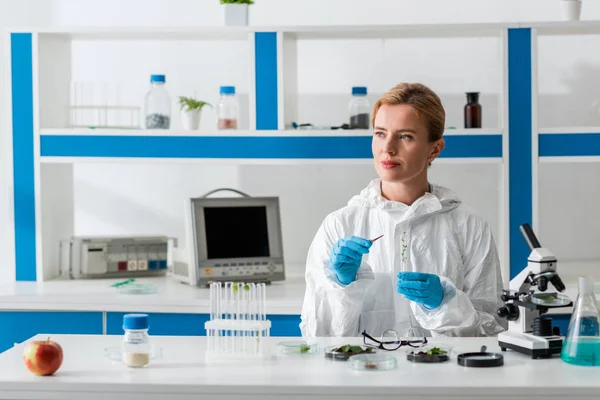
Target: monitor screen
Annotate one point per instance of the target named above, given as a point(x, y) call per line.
point(236, 232)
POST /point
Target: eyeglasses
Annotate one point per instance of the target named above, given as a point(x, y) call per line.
point(390, 340)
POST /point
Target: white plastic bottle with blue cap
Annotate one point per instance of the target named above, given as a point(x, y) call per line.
point(359, 109)
point(227, 109)
point(136, 341)
point(158, 104)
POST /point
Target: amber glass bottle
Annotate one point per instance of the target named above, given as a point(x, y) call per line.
point(473, 111)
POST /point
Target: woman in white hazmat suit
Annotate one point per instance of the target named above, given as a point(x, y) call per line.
point(435, 270)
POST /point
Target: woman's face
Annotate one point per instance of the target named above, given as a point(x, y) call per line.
point(401, 147)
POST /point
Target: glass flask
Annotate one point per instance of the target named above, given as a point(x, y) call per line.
point(582, 342)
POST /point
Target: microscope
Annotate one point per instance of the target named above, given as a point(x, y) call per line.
point(528, 331)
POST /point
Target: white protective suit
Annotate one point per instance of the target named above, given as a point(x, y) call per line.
point(436, 234)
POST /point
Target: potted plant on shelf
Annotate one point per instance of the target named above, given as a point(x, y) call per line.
point(571, 9)
point(190, 112)
point(236, 12)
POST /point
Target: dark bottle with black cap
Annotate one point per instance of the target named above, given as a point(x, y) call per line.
point(473, 111)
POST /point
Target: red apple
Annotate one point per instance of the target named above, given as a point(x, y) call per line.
point(43, 357)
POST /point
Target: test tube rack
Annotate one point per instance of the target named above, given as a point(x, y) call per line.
point(238, 328)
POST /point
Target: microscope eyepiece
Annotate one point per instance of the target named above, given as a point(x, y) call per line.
point(529, 236)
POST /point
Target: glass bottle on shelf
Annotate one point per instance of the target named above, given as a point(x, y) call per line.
point(473, 111)
point(227, 109)
point(158, 104)
point(359, 109)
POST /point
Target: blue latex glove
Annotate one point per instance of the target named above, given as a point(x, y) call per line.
point(421, 288)
point(346, 257)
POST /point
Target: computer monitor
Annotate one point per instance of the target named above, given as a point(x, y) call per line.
point(236, 239)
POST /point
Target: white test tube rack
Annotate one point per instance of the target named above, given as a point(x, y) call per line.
point(238, 328)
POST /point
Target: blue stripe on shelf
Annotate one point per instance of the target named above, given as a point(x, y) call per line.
point(472, 146)
point(23, 163)
point(520, 144)
point(569, 144)
point(328, 147)
point(265, 53)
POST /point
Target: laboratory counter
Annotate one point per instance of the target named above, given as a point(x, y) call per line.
point(283, 298)
point(182, 373)
point(177, 309)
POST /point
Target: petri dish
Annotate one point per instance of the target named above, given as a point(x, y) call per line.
point(550, 299)
point(480, 360)
point(137, 288)
point(297, 347)
point(373, 362)
point(116, 353)
point(344, 352)
point(429, 354)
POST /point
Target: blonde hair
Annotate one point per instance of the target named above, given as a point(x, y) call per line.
point(423, 100)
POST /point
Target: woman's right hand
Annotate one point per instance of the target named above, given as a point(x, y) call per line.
point(346, 257)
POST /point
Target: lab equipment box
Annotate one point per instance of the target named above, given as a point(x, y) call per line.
point(109, 257)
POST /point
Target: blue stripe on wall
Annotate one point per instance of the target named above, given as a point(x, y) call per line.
point(569, 144)
point(265, 52)
point(246, 147)
point(23, 166)
point(173, 324)
point(520, 142)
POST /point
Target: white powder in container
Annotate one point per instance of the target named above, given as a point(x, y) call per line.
point(136, 359)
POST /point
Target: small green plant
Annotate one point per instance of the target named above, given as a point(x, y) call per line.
point(436, 351)
point(404, 247)
point(190, 104)
point(348, 348)
point(237, 2)
point(304, 349)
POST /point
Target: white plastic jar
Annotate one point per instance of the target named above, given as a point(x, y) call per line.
point(136, 341)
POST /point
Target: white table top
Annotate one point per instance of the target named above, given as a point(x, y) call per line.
point(181, 373)
point(283, 297)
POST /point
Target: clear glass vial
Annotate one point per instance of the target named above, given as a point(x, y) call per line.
point(359, 109)
point(136, 341)
point(158, 104)
point(228, 109)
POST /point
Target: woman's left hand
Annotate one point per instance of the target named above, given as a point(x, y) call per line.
point(421, 288)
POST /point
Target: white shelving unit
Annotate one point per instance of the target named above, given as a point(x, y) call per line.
point(561, 141)
point(51, 83)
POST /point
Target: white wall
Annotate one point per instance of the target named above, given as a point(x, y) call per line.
point(328, 69)
point(107, 196)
